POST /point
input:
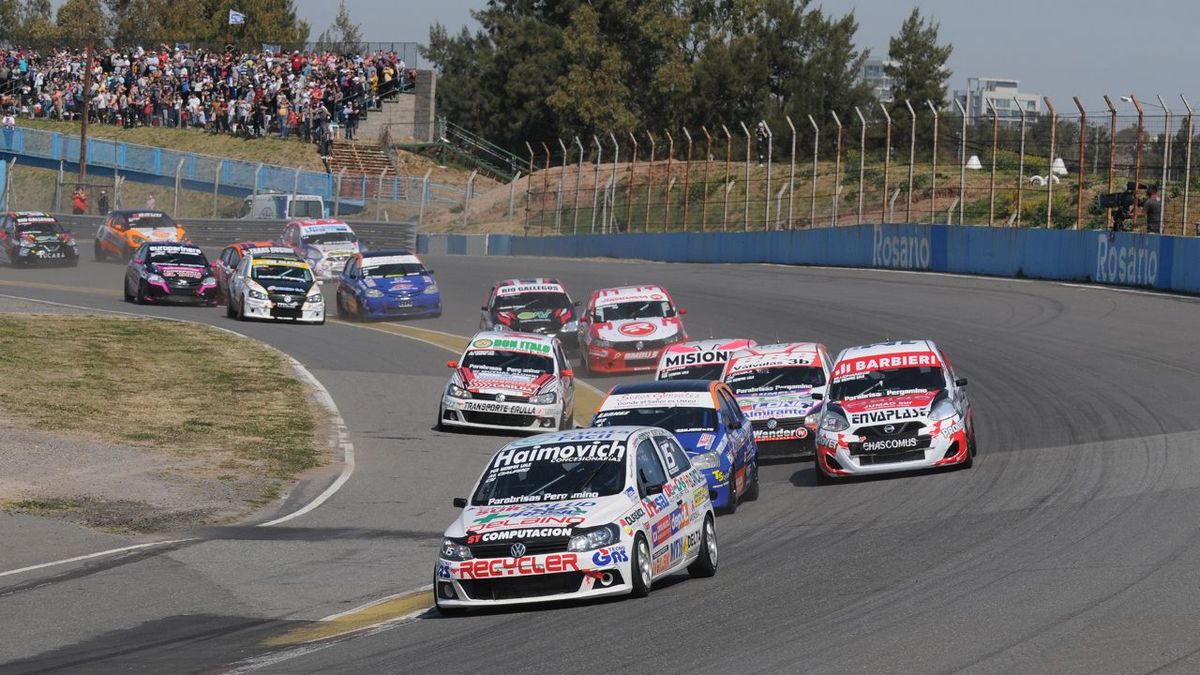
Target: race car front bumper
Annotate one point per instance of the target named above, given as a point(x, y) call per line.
point(307, 312)
point(608, 360)
point(789, 438)
point(942, 443)
point(486, 582)
point(396, 306)
point(480, 414)
point(41, 256)
point(205, 294)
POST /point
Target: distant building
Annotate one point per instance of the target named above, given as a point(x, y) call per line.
point(1005, 94)
point(876, 77)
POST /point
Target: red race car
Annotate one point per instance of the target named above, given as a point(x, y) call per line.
point(626, 329)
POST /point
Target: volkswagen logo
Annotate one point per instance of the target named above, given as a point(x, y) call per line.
point(517, 550)
point(772, 423)
point(639, 345)
point(889, 429)
point(500, 397)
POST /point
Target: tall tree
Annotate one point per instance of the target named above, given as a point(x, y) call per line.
point(36, 25)
point(79, 21)
point(10, 20)
point(918, 63)
point(592, 97)
point(344, 32)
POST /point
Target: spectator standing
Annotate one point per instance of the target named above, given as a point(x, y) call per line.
point(102, 203)
point(79, 201)
point(151, 203)
point(1153, 205)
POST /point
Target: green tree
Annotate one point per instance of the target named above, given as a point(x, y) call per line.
point(36, 24)
point(10, 19)
point(918, 63)
point(592, 97)
point(79, 21)
point(344, 32)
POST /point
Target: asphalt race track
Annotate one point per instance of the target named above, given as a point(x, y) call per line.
point(1073, 545)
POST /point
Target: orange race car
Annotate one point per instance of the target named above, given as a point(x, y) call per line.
point(123, 232)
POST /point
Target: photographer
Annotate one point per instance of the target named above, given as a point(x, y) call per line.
point(1153, 206)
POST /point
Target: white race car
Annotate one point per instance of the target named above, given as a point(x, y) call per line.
point(577, 514)
point(779, 388)
point(698, 359)
point(626, 329)
point(280, 288)
point(894, 406)
point(325, 244)
point(510, 381)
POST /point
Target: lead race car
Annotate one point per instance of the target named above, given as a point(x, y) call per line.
point(894, 406)
point(779, 387)
point(512, 382)
point(626, 329)
point(699, 359)
point(577, 514)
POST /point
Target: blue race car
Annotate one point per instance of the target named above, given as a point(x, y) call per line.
point(706, 419)
point(386, 285)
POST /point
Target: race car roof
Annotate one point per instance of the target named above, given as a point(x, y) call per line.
point(710, 345)
point(656, 386)
point(370, 261)
point(172, 247)
point(384, 252)
point(612, 434)
point(322, 226)
point(538, 285)
point(623, 397)
point(609, 296)
point(512, 341)
point(790, 355)
point(30, 214)
point(854, 361)
point(887, 348)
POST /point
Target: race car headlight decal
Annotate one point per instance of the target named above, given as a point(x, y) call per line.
point(942, 410)
point(257, 295)
point(570, 326)
point(834, 421)
point(431, 289)
point(155, 279)
point(812, 420)
point(373, 293)
point(453, 550)
point(208, 281)
point(707, 460)
point(315, 298)
point(458, 392)
point(545, 399)
point(602, 343)
point(600, 537)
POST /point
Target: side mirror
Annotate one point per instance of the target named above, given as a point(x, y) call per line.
point(818, 396)
point(452, 364)
point(460, 502)
point(654, 490)
point(568, 373)
point(682, 311)
point(960, 382)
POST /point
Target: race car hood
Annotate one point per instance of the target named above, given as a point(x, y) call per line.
point(781, 404)
point(701, 442)
point(408, 285)
point(574, 514)
point(335, 250)
point(288, 288)
point(632, 330)
point(157, 233)
point(888, 408)
point(180, 271)
point(491, 382)
point(535, 321)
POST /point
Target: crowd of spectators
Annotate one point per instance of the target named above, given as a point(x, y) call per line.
point(305, 95)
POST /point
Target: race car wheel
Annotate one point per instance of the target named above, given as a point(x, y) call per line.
point(341, 309)
point(752, 491)
point(822, 477)
point(229, 309)
point(125, 291)
point(98, 252)
point(449, 611)
point(584, 366)
point(731, 507)
point(568, 422)
point(140, 298)
point(640, 568)
point(706, 564)
point(971, 449)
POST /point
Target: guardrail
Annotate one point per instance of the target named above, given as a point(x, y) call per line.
point(218, 232)
point(1167, 263)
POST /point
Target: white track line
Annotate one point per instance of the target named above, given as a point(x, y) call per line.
point(340, 435)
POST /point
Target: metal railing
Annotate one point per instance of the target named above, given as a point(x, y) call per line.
point(487, 156)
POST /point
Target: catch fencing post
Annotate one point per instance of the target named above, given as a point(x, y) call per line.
point(992, 179)
point(746, 201)
point(629, 188)
point(933, 166)
point(667, 206)
point(378, 191)
point(257, 178)
point(578, 178)
point(512, 192)
point(425, 196)
point(791, 171)
point(649, 181)
point(216, 186)
point(467, 198)
point(612, 210)
point(562, 176)
point(1137, 153)
point(912, 157)
point(812, 206)
point(767, 195)
point(1187, 166)
point(962, 162)
point(887, 165)
point(707, 163)
point(545, 191)
point(1082, 161)
point(1112, 153)
point(687, 176)
point(727, 183)
point(178, 182)
point(528, 183)
point(862, 162)
point(1162, 189)
point(596, 178)
point(1050, 172)
point(1021, 161)
point(837, 168)
point(337, 197)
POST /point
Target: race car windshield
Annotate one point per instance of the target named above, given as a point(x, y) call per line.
point(394, 270)
point(635, 310)
point(281, 273)
point(888, 383)
point(528, 475)
point(533, 302)
point(775, 379)
point(518, 363)
point(40, 227)
point(331, 238)
point(676, 420)
point(707, 371)
point(152, 222)
point(190, 259)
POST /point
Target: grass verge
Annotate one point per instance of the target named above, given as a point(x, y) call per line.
point(180, 389)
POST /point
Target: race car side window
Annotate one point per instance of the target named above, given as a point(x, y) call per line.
point(677, 459)
point(730, 411)
point(649, 468)
point(563, 364)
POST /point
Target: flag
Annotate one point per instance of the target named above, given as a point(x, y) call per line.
point(236, 18)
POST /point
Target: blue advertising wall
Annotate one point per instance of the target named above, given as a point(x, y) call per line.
point(1137, 260)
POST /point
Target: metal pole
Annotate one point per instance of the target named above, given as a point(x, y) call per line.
point(596, 187)
point(649, 180)
point(707, 163)
point(887, 165)
point(1187, 166)
point(746, 202)
point(767, 195)
point(612, 209)
point(1162, 185)
point(629, 188)
point(812, 206)
point(837, 169)
point(1020, 162)
point(216, 186)
point(1050, 172)
point(667, 196)
point(912, 158)
point(257, 178)
point(178, 181)
point(470, 192)
point(1112, 152)
point(687, 175)
point(726, 185)
point(992, 179)
point(933, 173)
point(87, 100)
point(545, 192)
point(425, 195)
point(378, 190)
point(528, 183)
point(562, 177)
point(962, 162)
point(862, 162)
point(1137, 156)
point(337, 198)
point(512, 193)
point(578, 178)
point(1082, 161)
point(791, 172)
